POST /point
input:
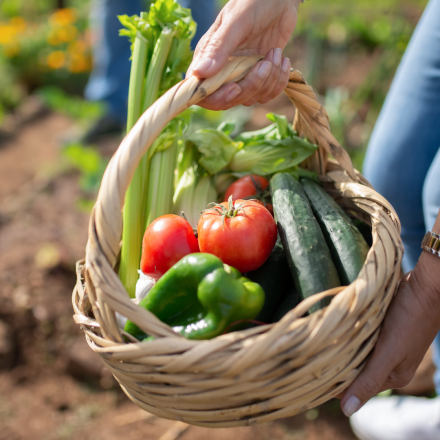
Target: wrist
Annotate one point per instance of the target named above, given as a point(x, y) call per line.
point(425, 283)
point(427, 274)
point(427, 270)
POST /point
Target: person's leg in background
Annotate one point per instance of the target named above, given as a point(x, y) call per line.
point(110, 77)
point(406, 137)
point(204, 13)
point(403, 164)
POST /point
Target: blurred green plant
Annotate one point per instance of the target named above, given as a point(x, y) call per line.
point(91, 166)
point(339, 35)
point(70, 105)
point(46, 51)
point(39, 46)
point(34, 8)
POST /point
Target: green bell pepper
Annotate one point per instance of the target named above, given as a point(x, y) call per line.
point(200, 297)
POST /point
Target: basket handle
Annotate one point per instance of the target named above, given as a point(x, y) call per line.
point(311, 121)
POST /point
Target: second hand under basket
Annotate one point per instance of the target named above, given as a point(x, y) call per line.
point(249, 376)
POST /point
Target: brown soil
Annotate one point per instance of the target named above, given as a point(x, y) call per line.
point(46, 393)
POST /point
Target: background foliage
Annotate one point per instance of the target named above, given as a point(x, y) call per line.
point(347, 50)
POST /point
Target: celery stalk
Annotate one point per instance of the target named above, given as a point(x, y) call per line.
point(136, 208)
point(167, 30)
point(133, 228)
point(137, 75)
point(161, 183)
point(157, 65)
point(204, 194)
point(161, 166)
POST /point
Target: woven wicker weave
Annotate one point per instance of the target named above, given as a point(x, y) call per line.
point(250, 376)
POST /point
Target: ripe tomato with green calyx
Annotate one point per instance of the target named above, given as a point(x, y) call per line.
point(250, 187)
point(242, 233)
point(167, 240)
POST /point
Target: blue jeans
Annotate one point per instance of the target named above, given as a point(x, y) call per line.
point(403, 158)
point(111, 73)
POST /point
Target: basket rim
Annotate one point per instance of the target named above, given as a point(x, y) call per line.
point(296, 313)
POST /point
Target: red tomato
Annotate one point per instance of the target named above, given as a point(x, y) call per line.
point(245, 187)
point(168, 239)
point(243, 240)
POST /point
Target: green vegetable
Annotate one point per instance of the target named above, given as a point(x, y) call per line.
point(270, 156)
point(193, 192)
point(347, 246)
point(307, 252)
point(280, 129)
point(365, 230)
point(195, 187)
point(216, 149)
point(275, 279)
point(161, 53)
point(270, 150)
point(201, 297)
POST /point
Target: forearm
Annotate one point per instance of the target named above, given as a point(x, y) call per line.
point(426, 280)
point(410, 326)
point(436, 227)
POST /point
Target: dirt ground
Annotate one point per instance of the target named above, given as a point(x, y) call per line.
point(52, 386)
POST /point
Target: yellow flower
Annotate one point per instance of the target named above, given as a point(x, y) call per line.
point(56, 59)
point(78, 63)
point(11, 50)
point(63, 17)
point(67, 33)
point(19, 23)
point(52, 38)
point(7, 34)
point(78, 47)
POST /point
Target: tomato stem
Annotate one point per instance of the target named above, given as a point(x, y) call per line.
point(230, 212)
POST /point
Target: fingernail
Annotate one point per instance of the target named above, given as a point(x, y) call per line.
point(351, 405)
point(203, 65)
point(277, 56)
point(286, 65)
point(264, 69)
point(233, 93)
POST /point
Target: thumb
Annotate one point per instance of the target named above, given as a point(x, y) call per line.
point(214, 50)
point(369, 383)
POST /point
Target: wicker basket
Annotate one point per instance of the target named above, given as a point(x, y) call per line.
point(250, 376)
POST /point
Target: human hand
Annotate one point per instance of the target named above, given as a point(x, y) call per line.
point(409, 328)
point(247, 27)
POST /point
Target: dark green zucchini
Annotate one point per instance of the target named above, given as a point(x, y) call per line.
point(275, 279)
point(347, 245)
point(365, 230)
point(307, 252)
